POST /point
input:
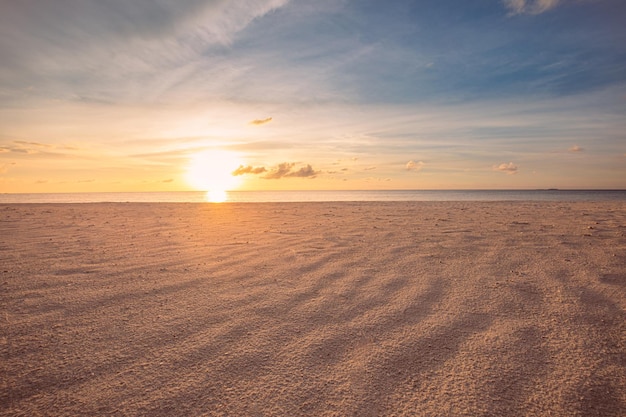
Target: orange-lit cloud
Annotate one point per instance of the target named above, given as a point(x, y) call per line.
point(261, 121)
point(576, 148)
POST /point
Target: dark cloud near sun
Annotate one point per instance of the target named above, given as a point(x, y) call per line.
point(282, 170)
point(304, 172)
point(286, 170)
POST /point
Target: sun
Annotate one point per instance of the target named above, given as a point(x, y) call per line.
point(211, 171)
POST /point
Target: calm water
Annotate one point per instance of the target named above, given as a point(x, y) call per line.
point(303, 196)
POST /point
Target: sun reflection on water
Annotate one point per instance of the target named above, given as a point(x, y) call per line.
point(216, 196)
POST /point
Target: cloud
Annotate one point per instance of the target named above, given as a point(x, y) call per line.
point(530, 6)
point(168, 180)
point(509, 168)
point(261, 121)
point(282, 170)
point(285, 170)
point(377, 179)
point(576, 148)
point(372, 168)
point(414, 166)
point(304, 172)
point(22, 150)
point(249, 169)
point(217, 20)
point(22, 142)
point(32, 149)
point(103, 50)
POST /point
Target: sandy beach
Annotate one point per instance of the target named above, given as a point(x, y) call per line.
point(313, 309)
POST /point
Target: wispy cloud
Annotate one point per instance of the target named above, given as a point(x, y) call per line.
point(22, 142)
point(530, 6)
point(509, 168)
point(34, 149)
point(208, 21)
point(108, 52)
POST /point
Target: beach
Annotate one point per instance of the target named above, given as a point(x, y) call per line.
point(313, 309)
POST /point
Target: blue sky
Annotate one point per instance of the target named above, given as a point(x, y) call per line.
point(116, 95)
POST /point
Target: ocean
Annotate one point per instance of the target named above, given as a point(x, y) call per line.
point(310, 196)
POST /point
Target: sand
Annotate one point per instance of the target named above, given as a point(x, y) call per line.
point(313, 309)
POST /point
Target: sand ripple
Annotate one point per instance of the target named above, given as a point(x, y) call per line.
point(321, 309)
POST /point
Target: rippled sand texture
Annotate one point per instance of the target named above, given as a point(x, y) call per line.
point(319, 309)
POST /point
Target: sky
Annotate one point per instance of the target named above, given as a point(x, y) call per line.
point(175, 95)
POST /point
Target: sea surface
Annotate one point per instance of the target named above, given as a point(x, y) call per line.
point(306, 196)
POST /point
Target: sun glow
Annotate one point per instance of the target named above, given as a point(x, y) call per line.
point(211, 171)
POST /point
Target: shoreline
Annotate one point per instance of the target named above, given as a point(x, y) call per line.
point(323, 196)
